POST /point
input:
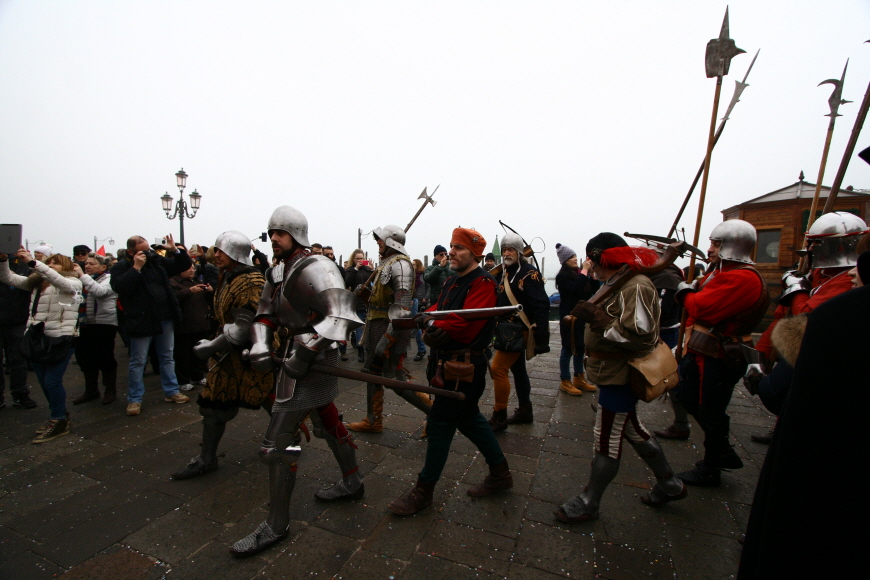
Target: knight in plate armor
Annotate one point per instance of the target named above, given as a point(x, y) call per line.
point(385, 347)
point(304, 309)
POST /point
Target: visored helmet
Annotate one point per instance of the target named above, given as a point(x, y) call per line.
point(737, 239)
point(291, 220)
point(833, 240)
point(393, 237)
point(236, 245)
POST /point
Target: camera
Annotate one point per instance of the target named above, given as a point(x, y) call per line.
point(159, 241)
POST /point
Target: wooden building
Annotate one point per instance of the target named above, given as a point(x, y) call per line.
point(781, 216)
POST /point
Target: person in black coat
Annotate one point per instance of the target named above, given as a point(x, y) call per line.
point(151, 310)
point(14, 311)
point(573, 285)
point(810, 481)
point(357, 274)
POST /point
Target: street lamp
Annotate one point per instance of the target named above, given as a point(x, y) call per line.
point(181, 205)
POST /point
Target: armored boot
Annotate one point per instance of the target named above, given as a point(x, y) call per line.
point(585, 506)
point(282, 479)
point(374, 420)
point(499, 420)
point(420, 497)
point(92, 389)
point(499, 478)
point(522, 415)
point(351, 485)
point(668, 487)
point(581, 383)
point(110, 382)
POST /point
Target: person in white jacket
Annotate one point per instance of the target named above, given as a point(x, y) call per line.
point(55, 302)
point(96, 347)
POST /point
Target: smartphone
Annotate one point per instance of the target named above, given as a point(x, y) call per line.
point(264, 237)
point(159, 241)
point(364, 262)
point(10, 238)
point(201, 278)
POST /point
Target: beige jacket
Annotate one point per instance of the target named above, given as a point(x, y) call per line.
point(57, 306)
point(632, 332)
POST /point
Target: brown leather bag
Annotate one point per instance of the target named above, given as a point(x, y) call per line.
point(653, 375)
point(460, 371)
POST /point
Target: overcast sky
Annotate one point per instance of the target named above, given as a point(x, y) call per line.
point(562, 119)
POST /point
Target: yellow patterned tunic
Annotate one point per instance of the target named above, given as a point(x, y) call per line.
point(232, 382)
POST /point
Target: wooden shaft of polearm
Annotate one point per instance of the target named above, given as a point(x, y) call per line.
point(711, 141)
point(847, 156)
point(812, 217)
point(392, 383)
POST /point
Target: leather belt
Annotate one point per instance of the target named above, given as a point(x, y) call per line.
point(721, 337)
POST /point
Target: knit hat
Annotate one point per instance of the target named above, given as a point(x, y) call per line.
point(44, 249)
point(470, 239)
point(439, 249)
point(489, 256)
point(564, 253)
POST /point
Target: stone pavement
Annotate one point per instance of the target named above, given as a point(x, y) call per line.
point(100, 504)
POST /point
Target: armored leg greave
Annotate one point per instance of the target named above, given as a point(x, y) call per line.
point(341, 443)
point(585, 506)
point(667, 483)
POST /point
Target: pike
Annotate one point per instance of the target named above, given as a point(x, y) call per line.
point(467, 314)
point(850, 148)
point(428, 199)
point(717, 61)
point(739, 87)
point(834, 101)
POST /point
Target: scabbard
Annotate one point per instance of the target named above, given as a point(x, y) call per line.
point(358, 376)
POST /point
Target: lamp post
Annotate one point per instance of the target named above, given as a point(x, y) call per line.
point(181, 205)
point(96, 242)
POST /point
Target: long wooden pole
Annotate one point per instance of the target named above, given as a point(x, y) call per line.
point(711, 141)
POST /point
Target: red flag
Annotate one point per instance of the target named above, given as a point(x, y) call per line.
point(101, 251)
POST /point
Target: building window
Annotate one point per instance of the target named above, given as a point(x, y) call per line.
point(767, 249)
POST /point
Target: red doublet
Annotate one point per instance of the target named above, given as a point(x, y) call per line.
point(481, 294)
point(724, 294)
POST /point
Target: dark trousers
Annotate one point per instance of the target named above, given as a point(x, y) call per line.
point(189, 368)
point(10, 339)
point(448, 414)
point(95, 350)
point(705, 389)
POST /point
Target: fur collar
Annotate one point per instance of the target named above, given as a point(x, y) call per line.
point(788, 335)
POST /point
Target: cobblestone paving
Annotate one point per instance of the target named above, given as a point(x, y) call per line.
point(99, 503)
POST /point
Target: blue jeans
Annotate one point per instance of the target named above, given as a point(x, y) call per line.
point(421, 347)
point(51, 380)
point(163, 344)
point(565, 357)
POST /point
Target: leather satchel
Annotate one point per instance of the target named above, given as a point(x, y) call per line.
point(509, 337)
point(654, 374)
point(461, 371)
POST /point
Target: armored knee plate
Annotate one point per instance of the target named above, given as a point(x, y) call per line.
point(284, 449)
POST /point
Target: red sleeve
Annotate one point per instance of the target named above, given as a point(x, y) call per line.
point(726, 295)
point(835, 286)
point(480, 295)
point(764, 344)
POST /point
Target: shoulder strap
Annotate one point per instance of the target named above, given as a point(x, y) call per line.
point(512, 298)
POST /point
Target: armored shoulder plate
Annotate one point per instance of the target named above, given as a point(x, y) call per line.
point(313, 298)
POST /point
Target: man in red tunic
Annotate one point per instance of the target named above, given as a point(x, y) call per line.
point(723, 307)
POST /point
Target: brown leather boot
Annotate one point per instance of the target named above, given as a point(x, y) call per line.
point(581, 383)
point(377, 411)
point(522, 415)
point(420, 497)
point(425, 398)
point(499, 478)
point(92, 390)
point(498, 421)
point(110, 382)
point(566, 387)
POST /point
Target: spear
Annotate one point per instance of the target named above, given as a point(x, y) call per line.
point(850, 148)
point(834, 102)
point(717, 61)
point(739, 87)
point(428, 199)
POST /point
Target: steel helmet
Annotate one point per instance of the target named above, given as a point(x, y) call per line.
point(737, 239)
point(393, 237)
point(832, 240)
point(291, 220)
point(236, 245)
